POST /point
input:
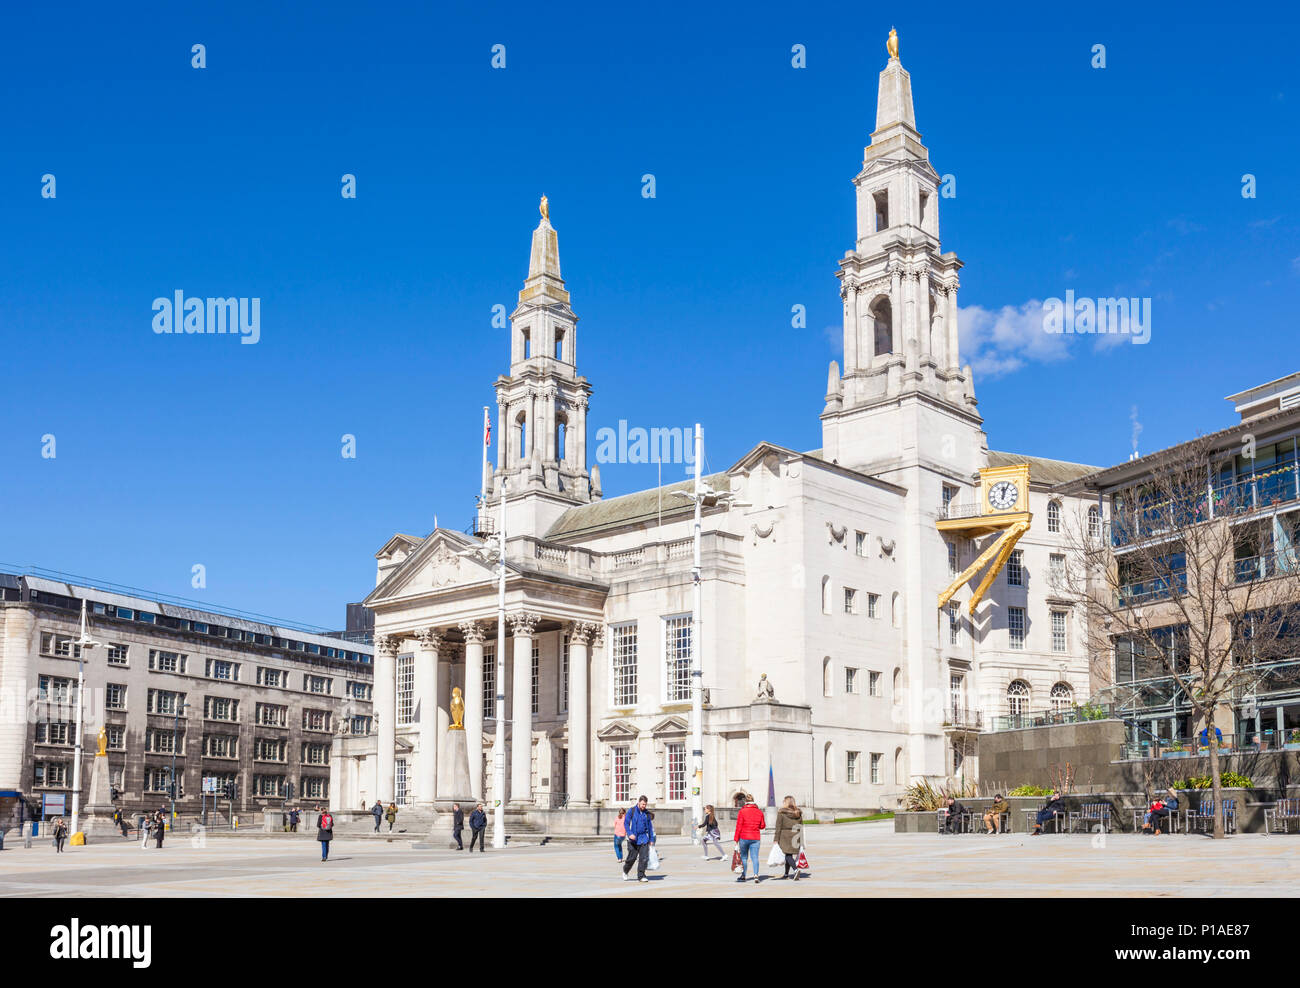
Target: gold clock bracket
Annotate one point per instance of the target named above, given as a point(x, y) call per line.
point(999, 552)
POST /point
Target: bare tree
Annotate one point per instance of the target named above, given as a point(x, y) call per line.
point(1197, 575)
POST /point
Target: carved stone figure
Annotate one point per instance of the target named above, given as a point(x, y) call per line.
point(765, 692)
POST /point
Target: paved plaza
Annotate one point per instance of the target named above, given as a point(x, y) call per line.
point(847, 860)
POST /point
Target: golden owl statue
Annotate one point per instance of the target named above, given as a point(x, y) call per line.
point(103, 743)
point(544, 208)
point(457, 710)
point(892, 43)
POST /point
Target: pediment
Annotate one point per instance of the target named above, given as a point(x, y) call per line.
point(670, 725)
point(620, 730)
point(436, 565)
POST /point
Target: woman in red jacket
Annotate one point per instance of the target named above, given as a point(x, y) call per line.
point(749, 821)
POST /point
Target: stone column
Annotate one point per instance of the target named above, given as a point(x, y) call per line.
point(896, 309)
point(503, 437)
point(385, 714)
point(950, 330)
point(580, 639)
point(521, 737)
point(426, 699)
point(923, 314)
point(580, 413)
point(552, 421)
point(851, 328)
point(473, 691)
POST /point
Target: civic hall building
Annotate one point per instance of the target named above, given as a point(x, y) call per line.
point(825, 575)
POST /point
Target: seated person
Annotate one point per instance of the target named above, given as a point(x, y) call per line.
point(1159, 812)
point(1205, 737)
point(953, 822)
point(994, 813)
point(1053, 807)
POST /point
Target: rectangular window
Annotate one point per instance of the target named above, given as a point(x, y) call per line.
point(272, 715)
point(220, 708)
point(536, 675)
point(952, 559)
point(115, 696)
point(59, 646)
point(315, 720)
point(949, 495)
point(850, 601)
point(116, 737)
point(117, 654)
point(161, 742)
point(676, 758)
point(51, 775)
point(860, 543)
point(1058, 631)
point(56, 690)
point(1015, 569)
point(269, 750)
point(320, 685)
point(55, 733)
point(268, 785)
point(623, 656)
point(360, 691)
point(564, 675)
point(315, 754)
point(315, 787)
point(270, 677)
point(489, 682)
point(220, 669)
point(1016, 628)
point(622, 774)
point(954, 623)
point(677, 655)
point(1056, 569)
point(873, 683)
point(399, 781)
point(851, 766)
point(850, 680)
point(405, 688)
point(360, 724)
point(164, 701)
point(220, 746)
point(875, 768)
point(873, 605)
point(160, 661)
point(956, 692)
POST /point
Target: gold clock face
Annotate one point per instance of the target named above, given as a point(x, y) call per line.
point(1003, 495)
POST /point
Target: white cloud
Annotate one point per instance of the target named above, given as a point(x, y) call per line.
point(997, 342)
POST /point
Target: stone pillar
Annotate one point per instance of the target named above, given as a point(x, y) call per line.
point(385, 714)
point(503, 437)
point(896, 313)
point(923, 314)
point(580, 413)
point(552, 423)
point(473, 693)
point(851, 328)
point(580, 639)
point(521, 728)
point(426, 699)
point(950, 330)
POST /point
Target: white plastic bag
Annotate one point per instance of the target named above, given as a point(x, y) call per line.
point(652, 863)
point(776, 857)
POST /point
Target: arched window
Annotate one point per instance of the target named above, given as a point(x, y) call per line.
point(898, 683)
point(896, 609)
point(828, 758)
point(1053, 516)
point(828, 677)
point(1094, 522)
point(1062, 697)
point(521, 437)
point(882, 321)
point(900, 770)
point(1018, 698)
point(826, 594)
point(561, 435)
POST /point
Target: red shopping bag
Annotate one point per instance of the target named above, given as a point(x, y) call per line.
point(802, 863)
point(735, 860)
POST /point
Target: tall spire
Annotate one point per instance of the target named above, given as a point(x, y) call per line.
point(894, 98)
point(544, 262)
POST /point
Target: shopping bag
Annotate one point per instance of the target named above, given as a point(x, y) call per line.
point(802, 863)
point(775, 857)
point(735, 860)
point(652, 864)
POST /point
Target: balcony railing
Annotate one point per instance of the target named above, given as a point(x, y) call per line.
point(1046, 718)
point(960, 509)
point(1240, 743)
point(1160, 588)
point(963, 719)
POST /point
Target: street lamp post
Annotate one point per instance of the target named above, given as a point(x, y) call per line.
point(703, 496)
point(82, 645)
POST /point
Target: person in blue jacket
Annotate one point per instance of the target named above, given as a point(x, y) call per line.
point(640, 835)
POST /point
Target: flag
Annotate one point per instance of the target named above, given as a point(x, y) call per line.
point(487, 429)
point(771, 786)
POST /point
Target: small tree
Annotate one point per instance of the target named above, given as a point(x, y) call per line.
point(1198, 575)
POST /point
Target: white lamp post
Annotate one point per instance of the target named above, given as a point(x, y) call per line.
point(82, 645)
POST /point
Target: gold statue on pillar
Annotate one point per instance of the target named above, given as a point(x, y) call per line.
point(545, 209)
point(892, 43)
point(458, 702)
point(103, 743)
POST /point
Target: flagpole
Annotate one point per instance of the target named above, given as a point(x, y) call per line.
point(482, 474)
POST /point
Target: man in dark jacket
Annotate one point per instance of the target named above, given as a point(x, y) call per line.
point(640, 835)
point(377, 811)
point(1052, 808)
point(954, 822)
point(477, 828)
point(457, 825)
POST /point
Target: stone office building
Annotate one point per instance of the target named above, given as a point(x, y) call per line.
point(824, 574)
point(235, 699)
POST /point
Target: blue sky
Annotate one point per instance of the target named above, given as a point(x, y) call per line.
point(172, 451)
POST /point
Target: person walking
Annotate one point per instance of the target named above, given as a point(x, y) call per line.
point(789, 834)
point(620, 835)
point(391, 816)
point(477, 829)
point(640, 828)
point(159, 828)
point(457, 824)
point(711, 835)
point(294, 817)
point(60, 834)
point(325, 833)
point(749, 824)
point(377, 811)
point(146, 824)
